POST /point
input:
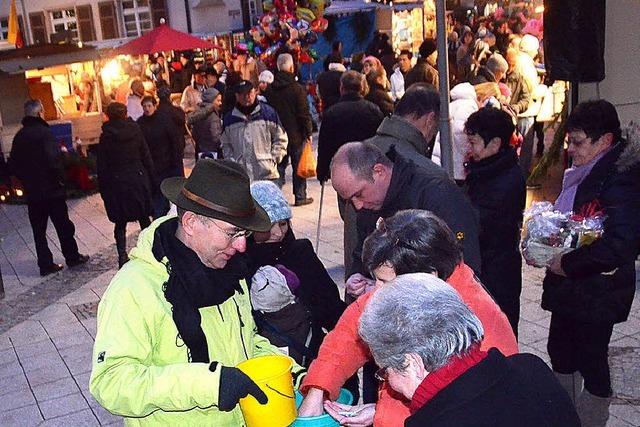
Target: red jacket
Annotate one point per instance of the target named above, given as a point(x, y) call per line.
point(343, 352)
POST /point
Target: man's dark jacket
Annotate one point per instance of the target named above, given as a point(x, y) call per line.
point(36, 160)
point(601, 277)
point(484, 75)
point(351, 119)
point(407, 141)
point(164, 143)
point(518, 390)
point(422, 72)
point(497, 190)
point(413, 187)
point(329, 88)
point(178, 117)
point(289, 99)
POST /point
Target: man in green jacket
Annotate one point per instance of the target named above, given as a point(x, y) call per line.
point(176, 319)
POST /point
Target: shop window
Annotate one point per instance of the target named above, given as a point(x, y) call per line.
point(64, 20)
point(137, 17)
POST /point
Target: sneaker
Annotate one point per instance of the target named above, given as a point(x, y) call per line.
point(303, 202)
point(53, 268)
point(80, 260)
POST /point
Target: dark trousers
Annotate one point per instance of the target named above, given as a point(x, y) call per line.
point(56, 209)
point(583, 347)
point(120, 234)
point(299, 184)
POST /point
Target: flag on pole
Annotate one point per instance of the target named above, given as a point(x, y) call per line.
point(14, 37)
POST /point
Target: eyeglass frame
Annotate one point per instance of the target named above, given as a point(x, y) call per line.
point(382, 374)
point(231, 236)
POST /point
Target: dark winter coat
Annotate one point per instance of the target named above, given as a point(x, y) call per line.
point(164, 144)
point(37, 161)
point(413, 187)
point(125, 171)
point(518, 390)
point(497, 190)
point(317, 291)
point(422, 72)
point(379, 96)
point(329, 88)
point(206, 128)
point(289, 99)
point(484, 75)
point(338, 128)
point(601, 277)
point(178, 117)
point(407, 141)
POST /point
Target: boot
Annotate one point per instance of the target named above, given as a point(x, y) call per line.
point(593, 410)
point(571, 383)
point(121, 245)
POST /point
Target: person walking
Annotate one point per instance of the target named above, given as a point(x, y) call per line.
point(207, 126)
point(253, 135)
point(36, 160)
point(125, 175)
point(289, 99)
point(165, 147)
point(424, 71)
point(177, 115)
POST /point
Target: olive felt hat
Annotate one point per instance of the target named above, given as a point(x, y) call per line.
point(218, 189)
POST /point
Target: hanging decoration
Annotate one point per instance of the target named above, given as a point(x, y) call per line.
point(288, 26)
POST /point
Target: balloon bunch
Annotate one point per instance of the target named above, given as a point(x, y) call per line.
point(288, 25)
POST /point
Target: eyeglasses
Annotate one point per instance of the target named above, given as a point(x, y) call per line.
point(232, 235)
point(382, 374)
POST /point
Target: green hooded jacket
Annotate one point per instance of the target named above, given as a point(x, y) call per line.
point(141, 367)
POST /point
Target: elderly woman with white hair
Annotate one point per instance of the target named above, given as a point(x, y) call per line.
point(427, 342)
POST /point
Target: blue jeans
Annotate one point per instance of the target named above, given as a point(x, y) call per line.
point(299, 184)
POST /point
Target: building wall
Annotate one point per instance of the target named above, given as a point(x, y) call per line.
point(622, 61)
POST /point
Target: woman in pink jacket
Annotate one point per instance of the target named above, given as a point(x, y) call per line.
point(409, 242)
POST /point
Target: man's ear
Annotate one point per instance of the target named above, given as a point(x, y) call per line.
point(607, 139)
point(379, 170)
point(188, 222)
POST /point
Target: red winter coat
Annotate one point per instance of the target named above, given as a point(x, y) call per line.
point(343, 352)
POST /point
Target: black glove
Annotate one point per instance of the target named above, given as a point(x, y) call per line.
point(234, 385)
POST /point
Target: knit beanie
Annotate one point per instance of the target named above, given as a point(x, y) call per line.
point(266, 76)
point(271, 199)
point(209, 95)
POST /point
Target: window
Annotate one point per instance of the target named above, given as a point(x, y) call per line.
point(253, 12)
point(64, 20)
point(137, 17)
point(4, 28)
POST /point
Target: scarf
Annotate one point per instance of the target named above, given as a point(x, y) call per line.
point(572, 179)
point(192, 285)
point(441, 378)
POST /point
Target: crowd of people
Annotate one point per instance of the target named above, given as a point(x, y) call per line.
point(432, 262)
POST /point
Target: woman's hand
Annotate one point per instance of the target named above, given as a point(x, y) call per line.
point(357, 284)
point(351, 416)
point(312, 404)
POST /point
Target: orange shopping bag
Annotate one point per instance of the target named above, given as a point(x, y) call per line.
point(307, 164)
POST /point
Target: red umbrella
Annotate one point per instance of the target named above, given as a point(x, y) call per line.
point(163, 38)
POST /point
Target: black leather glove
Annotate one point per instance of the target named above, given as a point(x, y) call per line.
point(234, 385)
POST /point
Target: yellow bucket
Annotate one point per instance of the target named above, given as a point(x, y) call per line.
point(273, 376)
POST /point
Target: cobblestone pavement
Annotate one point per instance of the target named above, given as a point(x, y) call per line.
point(47, 326)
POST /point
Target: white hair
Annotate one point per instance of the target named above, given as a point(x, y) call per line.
point(418, 314)
point(33, 108)
point(285, 62)
point(497, 63)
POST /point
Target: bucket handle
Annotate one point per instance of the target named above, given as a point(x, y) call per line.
point(279, 392)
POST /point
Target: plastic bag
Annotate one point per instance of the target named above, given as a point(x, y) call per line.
point(307, 164)
point(547, 233)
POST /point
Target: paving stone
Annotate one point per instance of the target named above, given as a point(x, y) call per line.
point(105, 417)
point(72, 339)
point(10, 369)
point(26, 416)
point(40, 361)
point(27, 332)
point(529, 333)
point(46, 375)
point(80, 363)
point(618, 422)
point(7, 356)
point(532, 312)
point(16, 399)
point(83, 418)
point(63, 405)
point(627, 413)
point(42, 347)
point(12, 384)
point(54, 389)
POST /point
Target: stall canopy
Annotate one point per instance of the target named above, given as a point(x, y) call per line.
point(42, 56)
point(163, 38)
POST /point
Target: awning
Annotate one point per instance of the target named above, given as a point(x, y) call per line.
point(163, 38)
point(345, 7)
point(48, 55)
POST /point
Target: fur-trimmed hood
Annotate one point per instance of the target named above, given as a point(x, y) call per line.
point(630, 155)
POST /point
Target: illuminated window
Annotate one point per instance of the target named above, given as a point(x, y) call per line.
point(63, 20)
